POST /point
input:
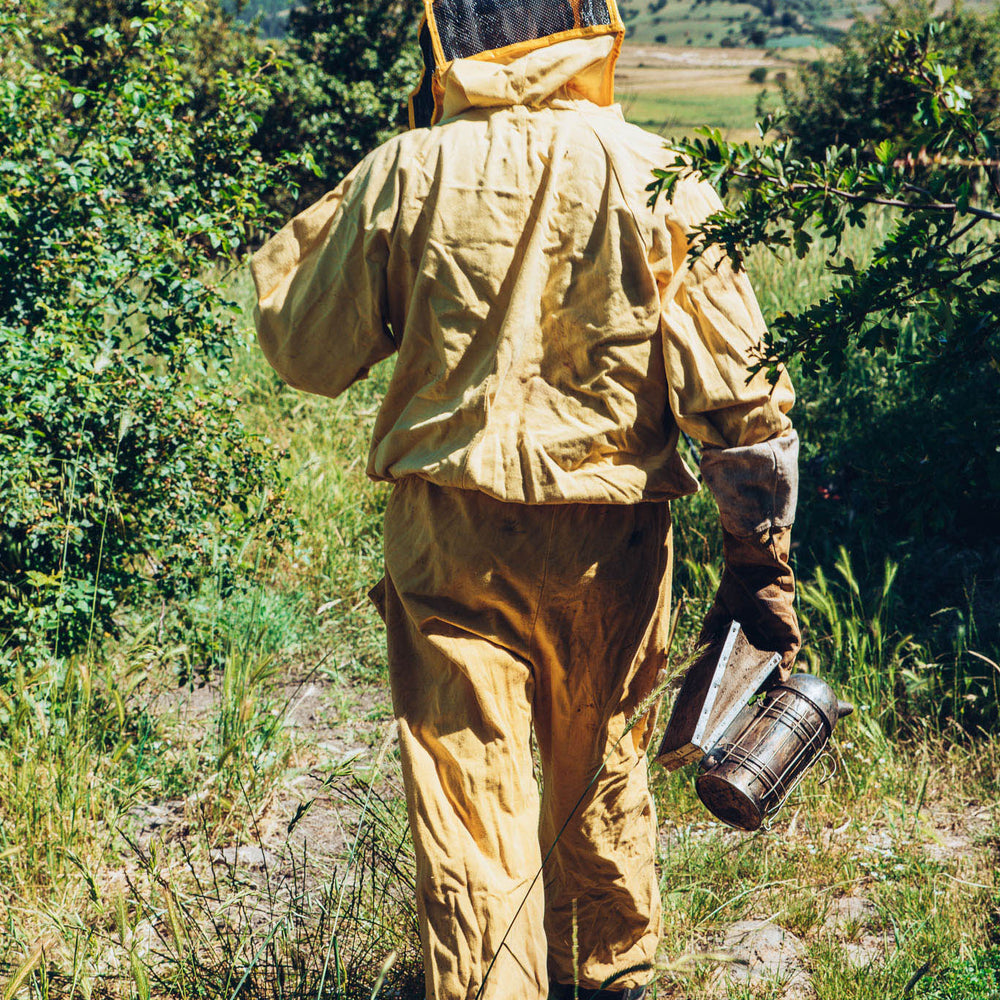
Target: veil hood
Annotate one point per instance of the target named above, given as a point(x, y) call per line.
point(482, 53)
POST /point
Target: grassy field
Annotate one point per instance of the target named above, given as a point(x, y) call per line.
point(675, 90)
point(243, 834)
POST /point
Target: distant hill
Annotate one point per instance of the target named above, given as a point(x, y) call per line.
point(273, 15)
point(757, 23)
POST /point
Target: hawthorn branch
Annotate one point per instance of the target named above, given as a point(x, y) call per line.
point(807, 187)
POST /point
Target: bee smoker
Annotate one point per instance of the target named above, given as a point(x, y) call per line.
point(753, 752)
point(747, 776)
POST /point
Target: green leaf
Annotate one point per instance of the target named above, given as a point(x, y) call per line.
point(884, 151)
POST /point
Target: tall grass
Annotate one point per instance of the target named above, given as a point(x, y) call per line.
point(74, 753)
point(148, 851)
point(852, 640)
point(291, 925)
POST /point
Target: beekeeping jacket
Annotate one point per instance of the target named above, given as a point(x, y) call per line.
point(554, 335)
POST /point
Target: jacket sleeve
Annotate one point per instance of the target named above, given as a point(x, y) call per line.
point(712, 328)
point(321, 287)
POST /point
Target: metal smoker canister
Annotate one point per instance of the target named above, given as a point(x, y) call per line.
point(763, 755)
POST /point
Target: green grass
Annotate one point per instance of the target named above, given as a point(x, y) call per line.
point(974, 978)
point(120, 794)
point(869, 833)
point(678, 113)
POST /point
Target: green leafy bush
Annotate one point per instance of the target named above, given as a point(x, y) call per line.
point(897, 353)
point(342, 88)
point(915, 325)
point(210, 48)
point(839, 100)
point(125, 467)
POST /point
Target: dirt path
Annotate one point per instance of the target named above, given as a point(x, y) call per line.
point(334, 828)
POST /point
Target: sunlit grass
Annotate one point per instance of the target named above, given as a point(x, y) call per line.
point(679, 114)
point(119, 809)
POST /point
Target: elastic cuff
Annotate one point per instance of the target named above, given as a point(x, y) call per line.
point(756, 486)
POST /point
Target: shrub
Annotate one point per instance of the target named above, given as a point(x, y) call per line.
point(840, 101)
point(342, 88)
point(898, 352)
point(125, 467)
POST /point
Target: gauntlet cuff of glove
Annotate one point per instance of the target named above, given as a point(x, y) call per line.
point(755, 486)
point(757, 589)
point(756, 489)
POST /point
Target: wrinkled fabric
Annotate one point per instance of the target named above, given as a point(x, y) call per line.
point(756, 487)
point(502, 616)
point(553, 333)
point(757, 589)
point(554, 336)
point(756, 490)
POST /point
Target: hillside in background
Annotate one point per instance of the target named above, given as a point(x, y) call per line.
point(729, 23)
point(784, 24)
point(781, 24)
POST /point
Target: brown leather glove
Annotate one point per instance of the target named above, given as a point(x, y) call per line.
point(757, 589)
point(755, 487)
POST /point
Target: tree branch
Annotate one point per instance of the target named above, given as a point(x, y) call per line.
point(867, 199)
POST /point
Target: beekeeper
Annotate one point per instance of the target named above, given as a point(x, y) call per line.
point(554, 337)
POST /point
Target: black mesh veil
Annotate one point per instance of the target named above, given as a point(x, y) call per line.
point(468, 27)
point(422, 99)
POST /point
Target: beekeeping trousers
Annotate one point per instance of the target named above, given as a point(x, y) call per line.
point(502, 617)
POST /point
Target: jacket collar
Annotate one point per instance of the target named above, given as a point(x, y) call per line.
point(578, 68)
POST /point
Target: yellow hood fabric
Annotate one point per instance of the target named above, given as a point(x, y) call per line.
point(472, 34)
point(581, 68)
point(553, 333)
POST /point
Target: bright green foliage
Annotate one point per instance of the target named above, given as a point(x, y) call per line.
point(939, 260)
point(349, 68)
point(210, 48)
point(975, 978)
point(840, 101)
point(924, 308)
point(124, 465)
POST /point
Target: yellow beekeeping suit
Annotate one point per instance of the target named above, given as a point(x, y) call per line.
point(553, 337)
